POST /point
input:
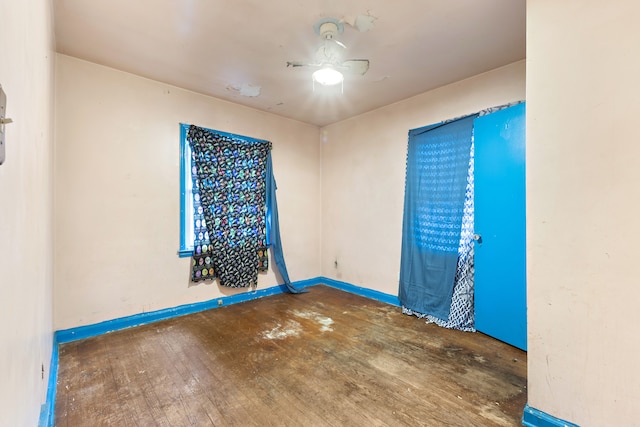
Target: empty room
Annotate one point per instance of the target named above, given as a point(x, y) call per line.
point(318, 213)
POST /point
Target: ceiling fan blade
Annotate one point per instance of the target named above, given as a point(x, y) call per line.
point(339, 43)
point(356, 66)
point(297, 64)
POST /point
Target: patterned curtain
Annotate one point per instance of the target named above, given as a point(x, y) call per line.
point(229, 202)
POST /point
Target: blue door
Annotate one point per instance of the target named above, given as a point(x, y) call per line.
point(500, 247)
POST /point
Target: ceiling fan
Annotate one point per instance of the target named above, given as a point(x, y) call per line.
point(328, 60)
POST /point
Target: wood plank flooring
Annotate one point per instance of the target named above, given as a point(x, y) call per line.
point(324, 358)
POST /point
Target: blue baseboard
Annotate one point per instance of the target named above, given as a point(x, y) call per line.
point(47, 408)
point(87, 331)
point(535, 418)
point(365, 292)
point(81, 332)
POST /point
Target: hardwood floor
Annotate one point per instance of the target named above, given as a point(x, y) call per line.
point(324, 358)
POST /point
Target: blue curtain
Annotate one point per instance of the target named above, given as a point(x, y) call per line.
point(437, 171)
point(461, 315)
point(273, 230)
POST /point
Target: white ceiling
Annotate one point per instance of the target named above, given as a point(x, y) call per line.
point(214, 47)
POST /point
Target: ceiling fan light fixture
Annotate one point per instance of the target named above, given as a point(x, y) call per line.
point(327, 76)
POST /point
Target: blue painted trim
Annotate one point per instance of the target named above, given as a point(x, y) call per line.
point(532, 417)
point(87, 331)
point(184, 157)
point(47, 409)
point(185, 253)
point(307, 282)
point(82, 332)
point(365, 292)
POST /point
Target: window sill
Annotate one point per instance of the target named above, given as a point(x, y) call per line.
point(185, 253)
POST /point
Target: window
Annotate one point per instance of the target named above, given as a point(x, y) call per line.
point(238, 197)
point(186, 192)
point(229, 174)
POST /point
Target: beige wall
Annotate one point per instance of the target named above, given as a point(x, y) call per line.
point(117, 192)
point(116, 224)
point(117, 186)
point(26, 194)
point(363, 171)
point(583, 197)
